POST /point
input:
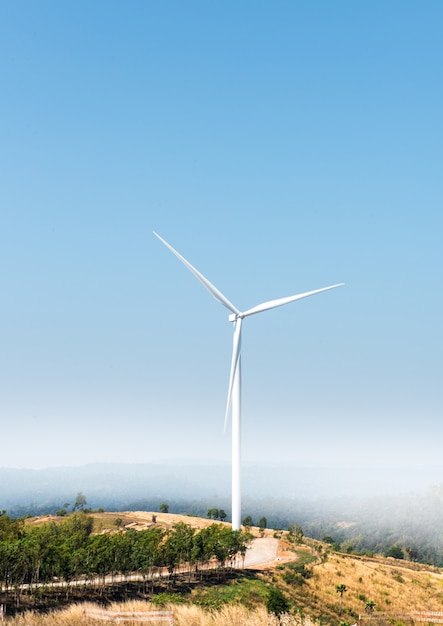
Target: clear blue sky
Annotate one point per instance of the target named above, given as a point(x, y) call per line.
point(280, 147)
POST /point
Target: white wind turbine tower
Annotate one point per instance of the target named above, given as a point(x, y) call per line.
point(234, 390)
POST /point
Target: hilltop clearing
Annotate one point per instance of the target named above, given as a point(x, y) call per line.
point(136, 520)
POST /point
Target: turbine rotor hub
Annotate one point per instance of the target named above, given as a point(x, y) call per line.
point(235, 316)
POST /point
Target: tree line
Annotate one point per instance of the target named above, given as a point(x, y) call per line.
point(67, 551)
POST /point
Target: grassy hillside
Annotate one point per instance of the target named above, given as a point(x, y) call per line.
point(395, 586)
point(307, 575)
point(185, 615)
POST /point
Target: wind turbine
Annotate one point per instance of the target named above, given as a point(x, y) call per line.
point(233, 404)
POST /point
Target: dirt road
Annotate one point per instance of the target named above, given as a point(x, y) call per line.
point(261, 551)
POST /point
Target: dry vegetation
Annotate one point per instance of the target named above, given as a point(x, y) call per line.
point(396, 586)
point(308, 576)
point(188, 615)
point(135, 519)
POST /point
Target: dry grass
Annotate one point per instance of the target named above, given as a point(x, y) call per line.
point(187, 615)
point(231, 615)
point(140, 520)
point(167, 520)
point(143, 519)
point(395, 586)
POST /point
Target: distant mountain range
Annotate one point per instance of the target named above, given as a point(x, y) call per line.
point(113, 486)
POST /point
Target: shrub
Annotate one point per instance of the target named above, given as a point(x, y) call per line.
point(276, 603)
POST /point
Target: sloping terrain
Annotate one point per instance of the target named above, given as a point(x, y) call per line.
point(308, 575)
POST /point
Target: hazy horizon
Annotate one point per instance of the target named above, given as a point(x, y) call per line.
point(194, 481)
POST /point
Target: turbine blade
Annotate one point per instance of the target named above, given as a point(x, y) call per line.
point(272, 304)
point(215, 293)
point(236, 349)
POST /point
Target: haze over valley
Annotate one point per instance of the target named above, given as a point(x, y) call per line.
point(365, 510)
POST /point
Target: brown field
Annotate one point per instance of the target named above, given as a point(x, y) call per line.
point(139, 520)
point(395, 586)
point(189, 615)
point(136, 519)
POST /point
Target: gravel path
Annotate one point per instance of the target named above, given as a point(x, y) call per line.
point(261, 552)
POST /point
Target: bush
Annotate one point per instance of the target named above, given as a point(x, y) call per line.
point(277, 603)
point(61, 512)
point(395, 552)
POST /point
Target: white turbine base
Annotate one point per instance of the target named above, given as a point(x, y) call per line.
point(236, 448)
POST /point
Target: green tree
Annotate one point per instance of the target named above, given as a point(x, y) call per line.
point(262, 524)
point(369, 606)
point(341, 590)
point(51, 552)
point(164, 508)
point(149, 550)
point(396, 552)
point(413, 553)
point(213, 513)
point(101, 557)
point(329, 540)
point(80, 502)
point(199, 548)
point(61, 512)
point(222, 515)
point(76, 529)
point(247, 522)
point(295, 533)
point(10, 529)
point(276, 602)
